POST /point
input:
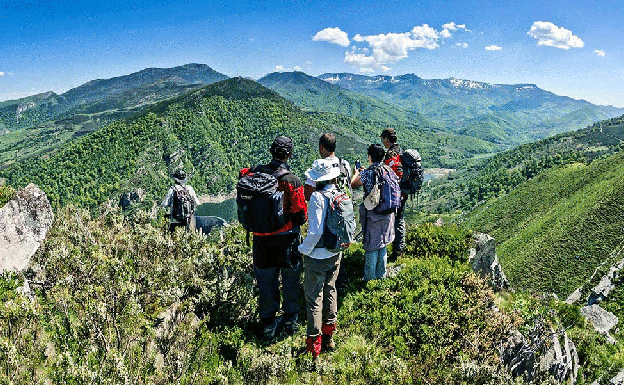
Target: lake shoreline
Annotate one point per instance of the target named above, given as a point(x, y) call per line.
point(219, 198)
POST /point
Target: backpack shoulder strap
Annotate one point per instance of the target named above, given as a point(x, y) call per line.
point(280, 172)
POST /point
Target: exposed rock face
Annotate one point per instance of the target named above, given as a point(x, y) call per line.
point(484, 260)
point(24, 223)
point(606, 284)
point(602, 320)
point(133, 196)
point(541, 355)
point(207, 223)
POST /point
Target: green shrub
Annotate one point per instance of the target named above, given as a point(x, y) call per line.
point(429, 241)
point(6, 194)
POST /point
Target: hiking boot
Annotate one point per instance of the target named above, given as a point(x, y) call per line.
point(269, 328)
point(290, 324)
point(313, 345)
point(327, 343)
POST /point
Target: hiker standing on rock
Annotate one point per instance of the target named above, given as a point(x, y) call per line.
point(275, 221)
point(321, 264)
point(392, 158)
point(377, 212)
point(182, 199)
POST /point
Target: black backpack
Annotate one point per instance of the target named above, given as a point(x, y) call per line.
point(183, 205)
point(260, 205)
point(413, 172)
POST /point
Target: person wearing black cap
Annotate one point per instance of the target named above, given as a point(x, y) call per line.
point(277, 252)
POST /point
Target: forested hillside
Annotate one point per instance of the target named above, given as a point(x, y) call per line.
point(501, 113)
point(36, 125)
point(212, 133)
point(501, 173)
point(314, 94)
point(555, 229)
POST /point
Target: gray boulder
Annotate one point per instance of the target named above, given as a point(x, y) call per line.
point(602, 320)
point(206, 223)
point(24, 223)
point(483, 259)
point(606, 284)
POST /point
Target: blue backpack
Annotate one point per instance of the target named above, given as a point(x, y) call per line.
point(389, 190)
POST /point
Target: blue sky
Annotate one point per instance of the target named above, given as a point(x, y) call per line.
point(572, 48)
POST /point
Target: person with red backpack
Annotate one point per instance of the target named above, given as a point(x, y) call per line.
point(377, 212)
point(182, 199)
point(275, 219)
point(392, 158)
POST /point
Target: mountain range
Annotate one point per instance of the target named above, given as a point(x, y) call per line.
point(501, 113)
point(115, 96)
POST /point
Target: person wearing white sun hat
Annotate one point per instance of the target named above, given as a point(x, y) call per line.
point(320, 264)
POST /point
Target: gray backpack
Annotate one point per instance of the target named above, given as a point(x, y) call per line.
point(339, 229)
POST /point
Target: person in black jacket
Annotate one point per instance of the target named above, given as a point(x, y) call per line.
point(276, 253)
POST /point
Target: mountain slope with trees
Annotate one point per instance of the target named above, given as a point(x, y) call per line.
point(555, 229)
point(313, 94)
point(505, 114)
point(212, 132)
point(39, 124)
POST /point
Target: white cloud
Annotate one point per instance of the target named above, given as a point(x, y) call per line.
point(280, 68)
point(1, 73)
point(297, 68)
point(425, 36)
point(333, 35)
point(461, 45)
point(549, 34)
point(359, 59)
point(377, 51)
point(600, 52)
point(367, 70)
point(493, 48)
point(453, 27)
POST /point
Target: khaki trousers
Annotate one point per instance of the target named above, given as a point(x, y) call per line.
point(319, 284)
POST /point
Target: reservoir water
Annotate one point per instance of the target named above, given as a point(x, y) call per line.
point(227, 208)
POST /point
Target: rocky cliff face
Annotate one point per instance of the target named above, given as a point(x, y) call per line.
point(24, 223)
point(484, 261)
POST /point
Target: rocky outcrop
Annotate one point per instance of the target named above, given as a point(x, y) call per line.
point(24, 223)
point(602, 320)
point(606, 284)
point(484, 260)
point(207, 223)
point(543, 354)
point(128, 198)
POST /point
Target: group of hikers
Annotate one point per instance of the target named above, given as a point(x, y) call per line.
point(273, 204)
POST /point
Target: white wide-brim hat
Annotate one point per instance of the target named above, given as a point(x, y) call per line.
point(322, 170)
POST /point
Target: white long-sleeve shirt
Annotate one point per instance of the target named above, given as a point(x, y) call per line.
point(317, 211)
